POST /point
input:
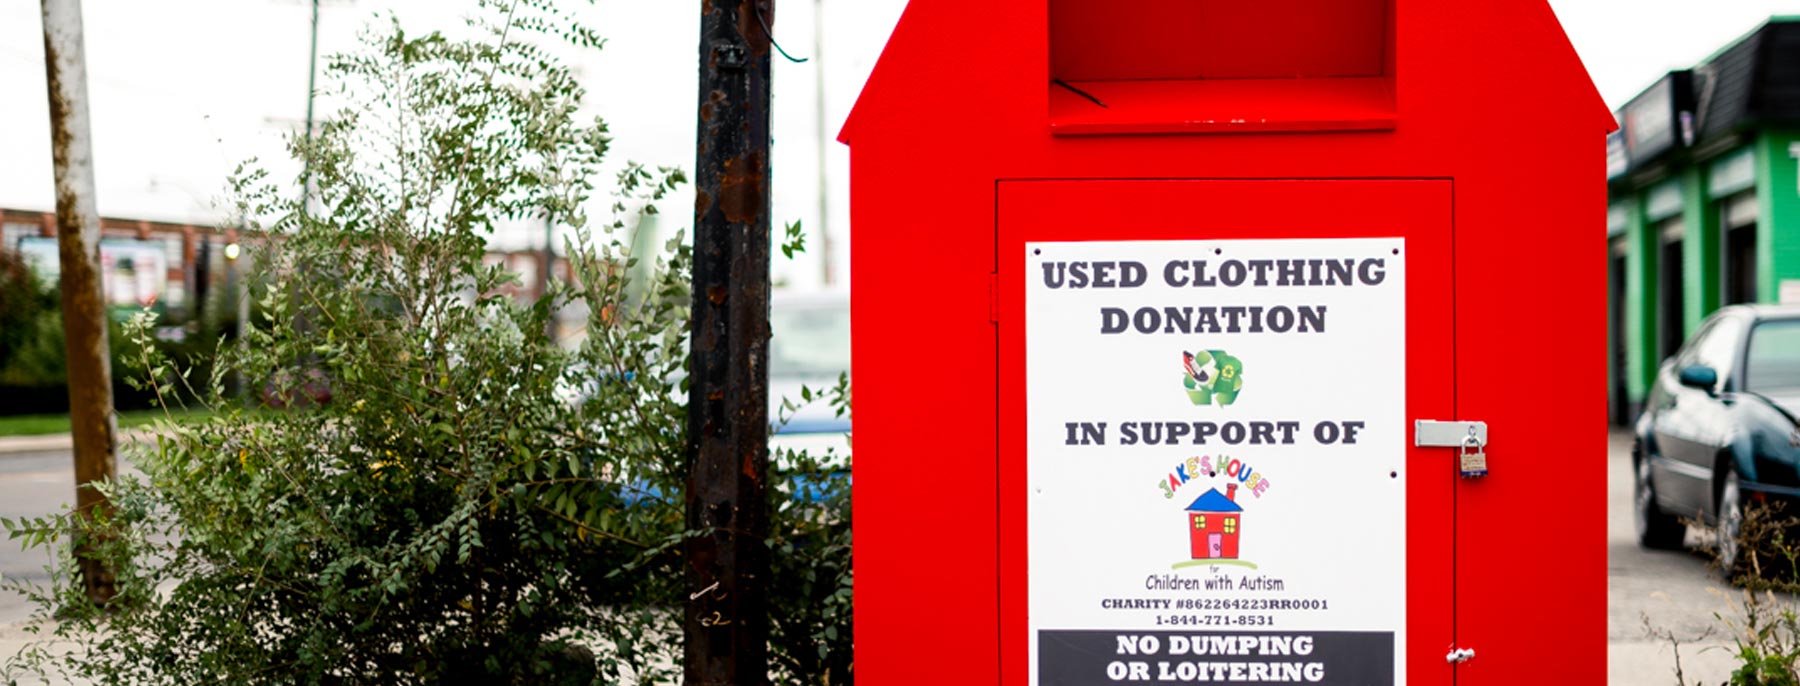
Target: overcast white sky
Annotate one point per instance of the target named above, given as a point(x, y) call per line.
point(181, 90)
point(1627, 44)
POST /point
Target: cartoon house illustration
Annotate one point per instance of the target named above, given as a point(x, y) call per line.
point(1213, 524)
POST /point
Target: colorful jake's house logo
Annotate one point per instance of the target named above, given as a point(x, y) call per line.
point(1213, 376)
point(1213, 522)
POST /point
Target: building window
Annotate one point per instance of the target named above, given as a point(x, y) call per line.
point(1231, 525)
point(1200, 522)
point(1670, 289)
point(1621, 398)
point(1739, 252)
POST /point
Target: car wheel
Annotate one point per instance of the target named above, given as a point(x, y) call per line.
point(1655, 528)
point(1731, 521)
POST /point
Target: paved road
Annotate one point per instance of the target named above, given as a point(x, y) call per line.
point(1676, 591)
point(31, 484)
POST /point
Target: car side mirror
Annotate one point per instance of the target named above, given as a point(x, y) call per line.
point(1700, 376)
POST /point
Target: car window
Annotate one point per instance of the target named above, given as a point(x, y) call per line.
point(1774, 359)
point(1689, 352)
point(1718, 347)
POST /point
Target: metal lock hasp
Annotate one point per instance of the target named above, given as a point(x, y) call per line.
point(1468, 437)
point(1473, 458)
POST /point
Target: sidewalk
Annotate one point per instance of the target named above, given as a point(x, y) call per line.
point(35, 444)
point(13, 631)
point(1675, 590)
point(15, 637)
point(59, 442)
point(13, 627)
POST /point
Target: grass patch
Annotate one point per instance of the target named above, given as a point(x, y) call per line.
point(43, 424)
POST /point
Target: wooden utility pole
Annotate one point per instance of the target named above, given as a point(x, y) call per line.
point(726, 627)
point(83, 305)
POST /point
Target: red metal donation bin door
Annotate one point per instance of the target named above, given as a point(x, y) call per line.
point(1207, 389)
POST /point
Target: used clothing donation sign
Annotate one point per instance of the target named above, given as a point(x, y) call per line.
point(1216, 461)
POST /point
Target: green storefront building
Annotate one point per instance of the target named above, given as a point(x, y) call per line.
point(1703, 201)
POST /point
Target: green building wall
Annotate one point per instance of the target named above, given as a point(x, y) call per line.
point(1777, 251)
point(1699, 251)
point(1778, 212)
point(1640, 301)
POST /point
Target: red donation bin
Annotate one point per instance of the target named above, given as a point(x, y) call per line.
point(1211, 342)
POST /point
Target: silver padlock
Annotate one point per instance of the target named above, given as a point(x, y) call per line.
point(1473, 457)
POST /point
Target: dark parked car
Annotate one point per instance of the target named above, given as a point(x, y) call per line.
point(1719, 428)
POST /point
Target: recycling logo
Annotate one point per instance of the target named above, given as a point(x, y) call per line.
point(1212, 377)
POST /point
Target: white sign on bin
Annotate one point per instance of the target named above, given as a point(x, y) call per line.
point(1216, 461)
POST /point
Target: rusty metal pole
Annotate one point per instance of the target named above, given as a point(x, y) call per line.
point(83, 306)
point(726, 627)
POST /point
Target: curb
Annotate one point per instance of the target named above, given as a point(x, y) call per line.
point(18, 445)
point(36, 444)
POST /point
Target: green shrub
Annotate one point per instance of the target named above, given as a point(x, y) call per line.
point(23, 301)
point(33, 372)
point(1762, 620)
point(1765, 631)
point(810, 599)
point(433, 507)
